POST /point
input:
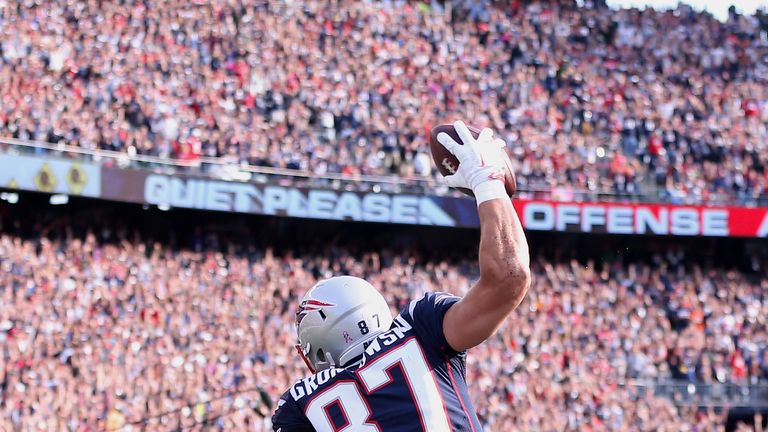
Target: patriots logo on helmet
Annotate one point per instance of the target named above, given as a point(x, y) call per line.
point(311, 305)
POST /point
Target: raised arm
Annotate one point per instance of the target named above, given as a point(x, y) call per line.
point(504, 261)
point(504, 278)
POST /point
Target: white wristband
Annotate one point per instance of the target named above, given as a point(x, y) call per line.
point(489, 190)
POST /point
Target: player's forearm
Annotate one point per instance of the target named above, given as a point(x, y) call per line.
point(504, 259)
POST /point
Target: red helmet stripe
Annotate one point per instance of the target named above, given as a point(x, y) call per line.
point(310, 305)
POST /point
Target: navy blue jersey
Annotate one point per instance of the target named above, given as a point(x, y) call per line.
point(409, 379)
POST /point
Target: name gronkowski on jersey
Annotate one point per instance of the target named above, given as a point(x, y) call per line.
point(408, 379)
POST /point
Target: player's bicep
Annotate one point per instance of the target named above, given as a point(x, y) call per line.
point(477, 316)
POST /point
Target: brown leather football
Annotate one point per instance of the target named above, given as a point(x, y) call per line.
point(447, 163)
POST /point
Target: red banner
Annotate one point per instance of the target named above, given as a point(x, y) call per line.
point(653, 219)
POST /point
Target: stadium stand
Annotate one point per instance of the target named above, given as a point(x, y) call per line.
point(176, 323)
point(115, 317)
point(664, 106)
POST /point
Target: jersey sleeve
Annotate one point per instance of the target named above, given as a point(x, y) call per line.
point(426, 316)
point(288, 417)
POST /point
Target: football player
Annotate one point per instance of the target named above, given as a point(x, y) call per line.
point(371, 372)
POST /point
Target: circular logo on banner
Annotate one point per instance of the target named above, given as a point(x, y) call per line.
point(45, 181)
point(76, 179)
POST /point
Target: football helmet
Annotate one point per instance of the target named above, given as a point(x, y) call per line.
point(336, 318)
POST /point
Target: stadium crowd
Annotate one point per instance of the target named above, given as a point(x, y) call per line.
point(669, 105)
point(107, 329)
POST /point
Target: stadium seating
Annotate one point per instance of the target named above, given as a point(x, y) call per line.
point(110, 327)
point(106, 326)
point(667, 106)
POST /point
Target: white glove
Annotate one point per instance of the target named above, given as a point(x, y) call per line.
point(481, 163)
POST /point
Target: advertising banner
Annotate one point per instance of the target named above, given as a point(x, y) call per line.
point(271, 199)
point(656, 219)
point(319, 203)
point(50, 175)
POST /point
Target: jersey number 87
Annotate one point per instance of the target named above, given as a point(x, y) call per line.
point(374, 376)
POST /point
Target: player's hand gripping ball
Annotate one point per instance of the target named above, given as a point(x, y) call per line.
point(484, 147)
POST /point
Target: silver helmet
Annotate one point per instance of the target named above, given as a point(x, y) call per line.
point(336, 318)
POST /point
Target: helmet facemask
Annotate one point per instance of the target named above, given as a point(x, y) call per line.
point(321, 365)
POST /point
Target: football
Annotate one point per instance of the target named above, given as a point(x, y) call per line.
point(447, 163)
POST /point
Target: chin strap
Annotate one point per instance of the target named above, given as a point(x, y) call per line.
point(327, 364)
